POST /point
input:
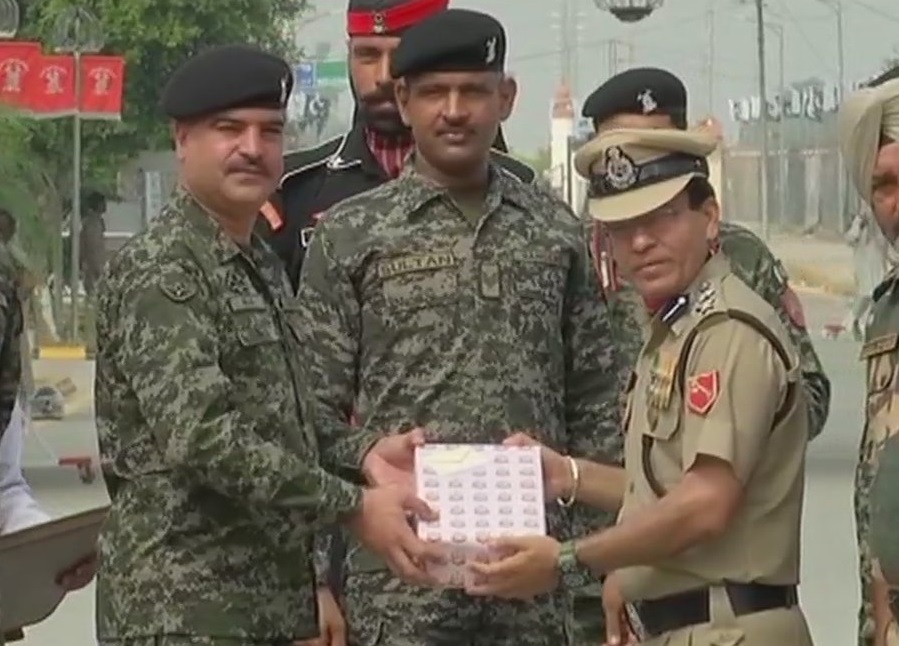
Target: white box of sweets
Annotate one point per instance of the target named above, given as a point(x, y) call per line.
point(481, 491)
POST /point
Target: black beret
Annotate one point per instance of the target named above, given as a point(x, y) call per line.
point(455, 40)
point(383, 17)
point(641, 90)
point(224, 78)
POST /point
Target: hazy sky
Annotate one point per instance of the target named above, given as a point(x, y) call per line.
point(675, 37)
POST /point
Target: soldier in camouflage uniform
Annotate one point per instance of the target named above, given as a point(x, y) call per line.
point(654, 98)
point(11, 328)
point(869, 141)
point(26, 281)
point(459, 299)
point(213, 476)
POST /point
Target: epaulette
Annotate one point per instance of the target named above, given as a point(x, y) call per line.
point(299, 161)
point(515, 168)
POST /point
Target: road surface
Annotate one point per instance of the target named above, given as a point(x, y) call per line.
point(829, 590)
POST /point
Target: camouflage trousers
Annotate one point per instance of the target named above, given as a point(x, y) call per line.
point(588, 621)
point(191, 641)
point(864, 475)
point(380, 610)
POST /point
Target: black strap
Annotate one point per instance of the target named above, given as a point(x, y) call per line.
point(296, 258)
point(692, 608)
point(713, 319)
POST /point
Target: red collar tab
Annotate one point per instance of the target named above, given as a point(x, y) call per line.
point(386, 21)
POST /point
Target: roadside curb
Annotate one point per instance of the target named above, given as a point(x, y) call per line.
point(814, 277)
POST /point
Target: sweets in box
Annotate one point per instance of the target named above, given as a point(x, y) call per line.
point(482, 491)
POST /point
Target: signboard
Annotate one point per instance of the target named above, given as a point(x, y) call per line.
point(332, 74)
point(315, 75)
point(304, 74)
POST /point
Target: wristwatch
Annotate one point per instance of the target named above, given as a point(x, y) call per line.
point(572, 572)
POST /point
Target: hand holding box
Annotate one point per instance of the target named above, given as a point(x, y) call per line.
point(482, 491)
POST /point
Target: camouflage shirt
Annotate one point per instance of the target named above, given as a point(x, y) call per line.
point(753, 263)
point(213, 477)
point(877, 471)
point(415, 315)
point(11, 326)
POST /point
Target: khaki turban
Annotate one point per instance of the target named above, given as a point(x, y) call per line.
point(864, 117)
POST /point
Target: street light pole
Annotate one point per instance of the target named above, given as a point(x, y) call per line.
point(711, 57)
point(841, 170)
point(763, 109)
point(837, 7)
point(781, 143)
point(76, 31)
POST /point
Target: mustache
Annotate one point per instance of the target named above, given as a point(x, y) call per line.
point(383, 94)
point(248, 166)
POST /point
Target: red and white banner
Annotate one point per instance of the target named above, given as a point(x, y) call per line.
point(19, 62)
point(53, 88)
point(102, 86)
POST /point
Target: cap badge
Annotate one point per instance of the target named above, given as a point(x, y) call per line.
point(620, 171)
point(380, 23)
point(647, 101)
point(491, 51)
point(283, 98)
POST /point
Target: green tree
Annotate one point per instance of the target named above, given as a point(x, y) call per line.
point(22, 182)
point(154, 36)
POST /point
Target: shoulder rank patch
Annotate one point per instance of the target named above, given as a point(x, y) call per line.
point(793, 307)
point(880, 345)
point(177, 287)
point(705, 299)
point(703, 392)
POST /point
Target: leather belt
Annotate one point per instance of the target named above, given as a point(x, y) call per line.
point(691, 608)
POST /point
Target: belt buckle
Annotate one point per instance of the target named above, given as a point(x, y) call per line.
point(636, 624)
point(306, 236)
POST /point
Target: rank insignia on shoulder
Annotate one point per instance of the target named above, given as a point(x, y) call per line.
point(703, 392)
point(705, 299)
point(177, 287)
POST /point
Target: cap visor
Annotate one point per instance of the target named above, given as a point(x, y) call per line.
point(634, 204)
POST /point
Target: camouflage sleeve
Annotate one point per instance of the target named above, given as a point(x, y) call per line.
point(592, 382)
point(815, 382)
point(756, 266)
point(167, 347)
point(10, 353)
point(329, 336)
point(321, 556)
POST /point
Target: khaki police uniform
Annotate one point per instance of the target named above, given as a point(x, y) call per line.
point(717, 376)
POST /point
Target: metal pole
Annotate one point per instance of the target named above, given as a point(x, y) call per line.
point(763, 100)
point(841, 169)
point(76, 197)
point(711, 53)
point(782, 147)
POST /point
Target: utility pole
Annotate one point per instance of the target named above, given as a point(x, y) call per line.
point(763, 110)
point(569, 39)
point(711, 57)
point(841, 170)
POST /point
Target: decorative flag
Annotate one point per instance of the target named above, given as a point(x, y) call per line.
point(18, 66)
point(102, 86)
point(52, 89)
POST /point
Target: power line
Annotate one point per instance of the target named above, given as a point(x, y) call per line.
point(874, 9)
point(791, 19)
point(593, 44)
